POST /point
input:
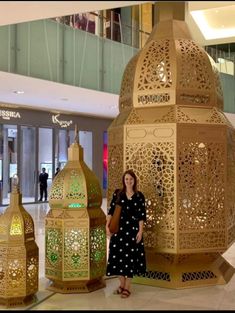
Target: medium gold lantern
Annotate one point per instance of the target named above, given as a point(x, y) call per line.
point(75, 228)
point(172, 132)
point(18, 253)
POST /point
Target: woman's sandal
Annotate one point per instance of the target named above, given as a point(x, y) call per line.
point(118, 291)
point(125, 293)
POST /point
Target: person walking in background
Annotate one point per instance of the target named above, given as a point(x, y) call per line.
point(43, 177)
point(126, 247)
point(57, 171)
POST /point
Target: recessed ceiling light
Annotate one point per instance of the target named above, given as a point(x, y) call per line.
point(18, 92)
point(216, 11)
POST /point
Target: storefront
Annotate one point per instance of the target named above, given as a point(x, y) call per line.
point(31, 140)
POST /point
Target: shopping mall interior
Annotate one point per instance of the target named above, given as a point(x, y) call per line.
point(62, 67)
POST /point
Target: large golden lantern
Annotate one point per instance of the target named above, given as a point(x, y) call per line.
point(172, 132)
point(75, 228)
point(18, 253)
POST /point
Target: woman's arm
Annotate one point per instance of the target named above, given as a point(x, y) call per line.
point(108, 219)
point(140, 232)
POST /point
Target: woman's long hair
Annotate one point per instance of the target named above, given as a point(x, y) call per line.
point(132, 174)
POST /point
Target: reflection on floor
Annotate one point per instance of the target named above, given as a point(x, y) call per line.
point(221, 297)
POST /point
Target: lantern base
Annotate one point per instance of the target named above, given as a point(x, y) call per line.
point(185, 270)
point(18, 301)
point(76, 286)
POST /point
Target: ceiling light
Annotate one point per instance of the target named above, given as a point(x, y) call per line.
point(18, 92)
point(210, 32)
point(64, 99)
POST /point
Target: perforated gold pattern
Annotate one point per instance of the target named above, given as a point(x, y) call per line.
point(28, 223)
point(127, 84)
point(218, 87)
point(54, 247)
point(97, 250)
point(216, 117)
point(134, 118)
point(195, 66)
point(76, 186)
point(16, 225)
point(181, 146)
point(16, 274)
point(75, 249)
point(201, 204)
point(167, 116)
point(183, 117)
point(57, 191)
point(115, 166)
point(155, 72)
point(230, 218)
point(32, 273)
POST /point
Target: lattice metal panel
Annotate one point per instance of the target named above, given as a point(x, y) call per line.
point(157, 275)
point(53, 239)
point(125, 99)
point(197, 275)
point(98, 250)
point(75, 249)
point(155, 72)
point(195, 70)
point(153, 164)
point(230, 185)
point(58, 187)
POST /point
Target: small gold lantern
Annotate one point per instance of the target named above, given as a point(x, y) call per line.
point(75, 228)
point(18, 253)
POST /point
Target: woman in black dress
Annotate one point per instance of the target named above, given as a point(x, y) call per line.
point(126, 248)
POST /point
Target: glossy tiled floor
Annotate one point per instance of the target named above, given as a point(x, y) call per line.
point(221, 297)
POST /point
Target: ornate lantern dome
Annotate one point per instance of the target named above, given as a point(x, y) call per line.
point(16, 224)
point(75, 186)
point(171, 69)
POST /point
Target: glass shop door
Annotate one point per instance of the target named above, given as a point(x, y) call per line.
point(8, 160)
point(28, 173)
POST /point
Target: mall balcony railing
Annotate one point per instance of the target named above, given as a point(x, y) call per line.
point(225, 62)
point(57, 52)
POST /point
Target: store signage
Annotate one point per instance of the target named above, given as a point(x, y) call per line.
point(7, 115)
point(55, 120)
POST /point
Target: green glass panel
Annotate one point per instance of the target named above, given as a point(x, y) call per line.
point(228, 86)
point(7, 48)
point(76, 205)
point(48, 50)
point(116, 56)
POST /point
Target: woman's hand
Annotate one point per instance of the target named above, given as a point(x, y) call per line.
point(108, 233)
point(140, 232)
point(139, 236)
point(108, 220)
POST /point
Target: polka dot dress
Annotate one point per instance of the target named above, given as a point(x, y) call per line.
point(126, 257)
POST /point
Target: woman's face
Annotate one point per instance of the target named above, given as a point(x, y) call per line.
point(129, 181)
